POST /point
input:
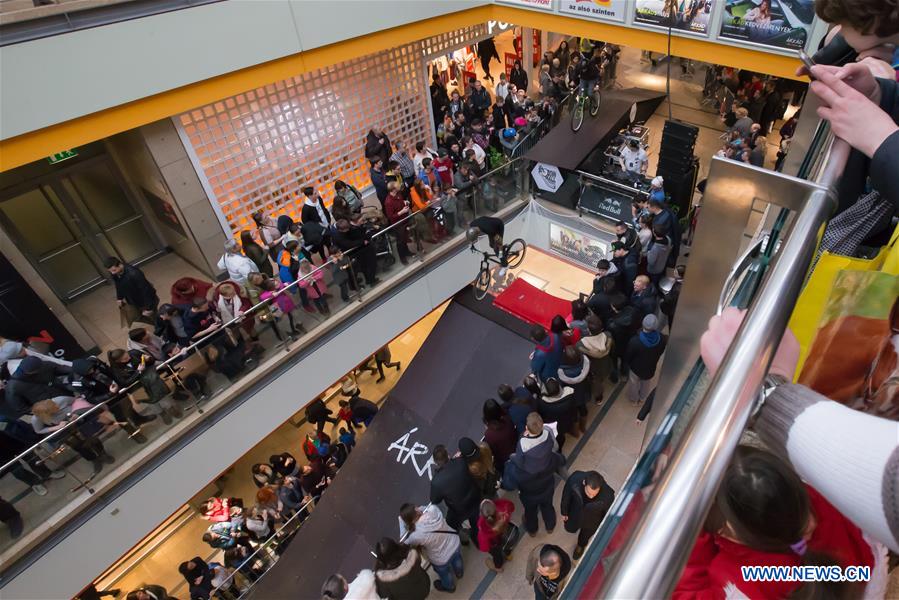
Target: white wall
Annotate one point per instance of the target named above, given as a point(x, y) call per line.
point(55, 79)
point(103, 538)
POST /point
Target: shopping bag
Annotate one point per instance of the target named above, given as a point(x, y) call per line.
point(810, 305)
point(853, 356)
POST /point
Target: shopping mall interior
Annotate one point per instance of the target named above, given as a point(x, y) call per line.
point(376, 299)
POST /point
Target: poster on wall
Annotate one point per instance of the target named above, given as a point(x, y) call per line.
point(164, 211)
point(689, 15)
point(606, 10)
point(776, 23)
point(576, 246)
point(541, 4)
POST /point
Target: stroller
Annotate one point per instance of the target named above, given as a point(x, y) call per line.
point(373, 221)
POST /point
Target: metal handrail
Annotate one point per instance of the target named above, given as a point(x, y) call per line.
point(235, 321)
point(263, 546)
point(650, 562)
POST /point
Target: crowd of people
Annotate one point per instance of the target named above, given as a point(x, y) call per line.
point(252, 537)
point(752, 104)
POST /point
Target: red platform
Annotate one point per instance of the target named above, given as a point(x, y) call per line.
point(532, 305)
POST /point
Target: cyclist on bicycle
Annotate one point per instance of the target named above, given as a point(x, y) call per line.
point(590, 72)
point(493, 228)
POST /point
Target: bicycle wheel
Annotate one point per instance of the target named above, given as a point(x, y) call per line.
point(482, 283)
point(577, 115)
point(595, 100)
point(515, 252)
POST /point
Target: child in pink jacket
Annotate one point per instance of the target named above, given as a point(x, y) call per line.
point(314, 284)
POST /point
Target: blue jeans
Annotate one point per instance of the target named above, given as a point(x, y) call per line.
point(450, 571)
point(587, 85)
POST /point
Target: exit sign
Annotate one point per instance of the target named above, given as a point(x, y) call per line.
point(61, 156)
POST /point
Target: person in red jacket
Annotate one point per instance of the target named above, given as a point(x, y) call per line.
point(764, 515)
point(396, 207)
point(494, 522)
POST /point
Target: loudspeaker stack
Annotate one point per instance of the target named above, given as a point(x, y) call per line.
point(677, 165)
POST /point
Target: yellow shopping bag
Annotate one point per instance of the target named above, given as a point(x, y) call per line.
point(810, 306)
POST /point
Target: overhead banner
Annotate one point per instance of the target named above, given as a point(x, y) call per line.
point(548, 177)
point(604, 10)
point(541, 4)
point(775, 23)
point(689, 15)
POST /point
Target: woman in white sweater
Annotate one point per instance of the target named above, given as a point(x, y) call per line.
point(851, 457)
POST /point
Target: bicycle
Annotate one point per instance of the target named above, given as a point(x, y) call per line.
point(510, 257)
point(580, 100)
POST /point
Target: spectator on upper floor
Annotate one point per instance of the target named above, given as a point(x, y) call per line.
point(314, 209)
point(184, 290)
point(377, 146)
point(132, 290)
point(236, 264)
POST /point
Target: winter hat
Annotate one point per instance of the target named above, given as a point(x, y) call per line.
point(10, 350)
point(650, 323)
point(520, 121)
point(468, 448)
point(29, 364)
point(657, 181)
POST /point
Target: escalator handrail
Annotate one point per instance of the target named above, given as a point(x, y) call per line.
point(650, 562)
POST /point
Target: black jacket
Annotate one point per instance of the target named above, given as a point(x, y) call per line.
point(647, 301)
point(352, 238)
point(520, 78)
point(622, 325)
point(94, 386)
point(374, 150)
point(582, 512)
point(24, 391)
point(316, 411)
point(480, 101)
point(362, 408)
point(408, 581)
point(454, 485)
point(132, 287)
point(643, 359)
point(310, 214)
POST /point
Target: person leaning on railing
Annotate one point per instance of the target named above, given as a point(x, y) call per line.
point(851, 457)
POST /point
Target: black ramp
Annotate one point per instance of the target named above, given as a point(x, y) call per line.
point(566, 149)
point(439, 396)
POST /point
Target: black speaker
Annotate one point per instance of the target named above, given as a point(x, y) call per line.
point(680, 130)
point(679, 186)
point(671, 159)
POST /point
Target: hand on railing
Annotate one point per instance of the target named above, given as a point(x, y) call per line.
point(723, 330)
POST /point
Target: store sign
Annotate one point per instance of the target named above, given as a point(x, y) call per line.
point(497, 26)
point(61, 156)
point(541, 4)
point(606, 10)
point(548, 177)
point(688, 15)
point(778, 25)
point(576, 246)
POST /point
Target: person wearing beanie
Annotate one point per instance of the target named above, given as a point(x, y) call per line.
point(35, 380)
point(656, 189)
point(184, 290)
point(642, 357)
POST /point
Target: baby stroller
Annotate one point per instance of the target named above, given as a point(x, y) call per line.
point(373, 221)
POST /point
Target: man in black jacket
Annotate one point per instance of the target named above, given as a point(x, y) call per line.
point(314, 209)
point(586, 498)
point(132, 287)
point(623, 324)
point(35, 380)
point(645, 297)
point(642, 357)
point(480, 98)
point(454, 485)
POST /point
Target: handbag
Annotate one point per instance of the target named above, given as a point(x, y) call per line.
point(811, 303)
point(510, 539)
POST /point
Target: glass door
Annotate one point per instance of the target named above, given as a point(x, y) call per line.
point(99, 203)
point(46, 234)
